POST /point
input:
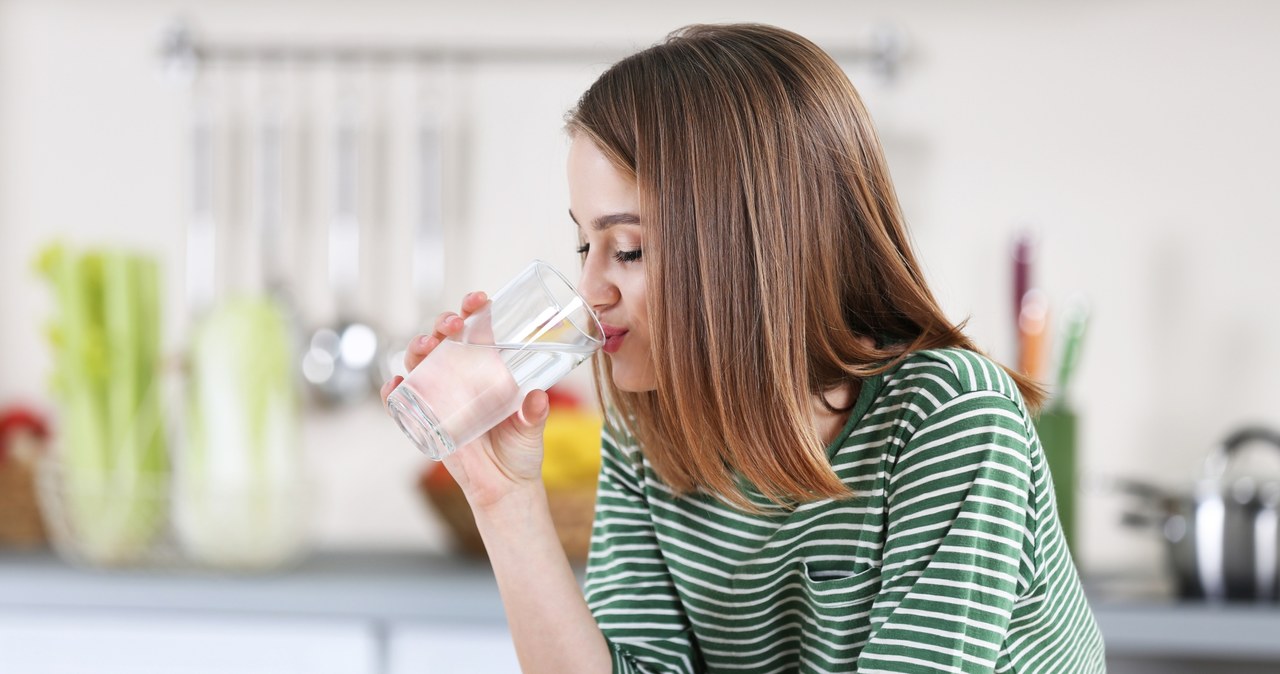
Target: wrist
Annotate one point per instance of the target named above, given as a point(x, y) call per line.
point(516, 502)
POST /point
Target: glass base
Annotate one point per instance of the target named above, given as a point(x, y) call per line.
point(419, 422)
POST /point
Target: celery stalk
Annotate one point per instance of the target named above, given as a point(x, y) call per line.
point(105, 343)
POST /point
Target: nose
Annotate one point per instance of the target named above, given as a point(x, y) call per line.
point(595, 287)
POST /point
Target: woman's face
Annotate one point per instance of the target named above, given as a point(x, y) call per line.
point(605, 204)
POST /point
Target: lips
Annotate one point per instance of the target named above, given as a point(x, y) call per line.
point(613, 338)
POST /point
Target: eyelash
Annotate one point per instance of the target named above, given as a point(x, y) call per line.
point(622, 256)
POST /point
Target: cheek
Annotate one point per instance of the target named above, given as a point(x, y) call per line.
point(638, 305)
point(639, 366)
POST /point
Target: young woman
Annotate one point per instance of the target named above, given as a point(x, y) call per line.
point(807, 467)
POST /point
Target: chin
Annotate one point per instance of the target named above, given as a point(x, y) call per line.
point(630, 381)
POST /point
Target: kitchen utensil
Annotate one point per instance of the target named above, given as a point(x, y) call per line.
point(1076, 322)
point(341, 363)
point(1222, 539)
point(428, 248)
point(428, 242)
point(1022, 248)
point(1033, 333)
point(202, 228)
point(270, 202)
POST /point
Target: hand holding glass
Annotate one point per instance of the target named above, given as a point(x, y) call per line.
point(531, 334)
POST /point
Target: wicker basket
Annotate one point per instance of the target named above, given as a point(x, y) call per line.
point(21, 525)
point(150, 536)
point(23, 438)
point(572, 511)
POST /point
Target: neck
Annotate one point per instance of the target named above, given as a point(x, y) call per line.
point(828, 424)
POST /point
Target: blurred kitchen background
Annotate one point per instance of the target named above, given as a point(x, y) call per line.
point(1102, 168)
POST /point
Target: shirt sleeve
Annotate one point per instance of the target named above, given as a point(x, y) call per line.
point(628, 586)
point(958, 548)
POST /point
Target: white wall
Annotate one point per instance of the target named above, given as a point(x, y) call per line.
point(1138, 136)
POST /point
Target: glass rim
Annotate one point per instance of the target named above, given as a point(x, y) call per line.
point(539, 266)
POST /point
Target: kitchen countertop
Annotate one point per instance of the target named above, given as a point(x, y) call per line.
point(1172, 629)
point(424, 587)
point(378, 586)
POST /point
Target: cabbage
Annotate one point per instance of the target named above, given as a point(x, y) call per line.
point(237, 482)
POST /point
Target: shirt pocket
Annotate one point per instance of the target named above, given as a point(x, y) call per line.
point(827, 589)
point(838, 620)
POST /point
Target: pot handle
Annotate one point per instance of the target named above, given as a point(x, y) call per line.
point(1215, 465)
point(1142, 490)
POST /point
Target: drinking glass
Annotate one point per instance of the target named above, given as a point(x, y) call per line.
point(530, 334)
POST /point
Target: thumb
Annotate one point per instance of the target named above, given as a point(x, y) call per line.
point(533, 414)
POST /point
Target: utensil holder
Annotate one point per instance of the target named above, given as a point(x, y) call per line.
point(1056, 426)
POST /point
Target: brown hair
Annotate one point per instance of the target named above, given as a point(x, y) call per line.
point(773, 242)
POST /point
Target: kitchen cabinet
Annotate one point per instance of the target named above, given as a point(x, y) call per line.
point(108, 642)
point(1169, 637)
point(416, 613)
point(64, 642)
point(348, 614)
point(426, 648)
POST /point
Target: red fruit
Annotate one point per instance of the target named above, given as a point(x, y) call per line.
point(436, 477)
point(560, 396)
point(19, 420)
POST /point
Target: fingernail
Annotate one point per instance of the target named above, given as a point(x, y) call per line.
point(422, 340)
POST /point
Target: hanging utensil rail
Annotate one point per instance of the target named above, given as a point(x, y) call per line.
point(184, 52)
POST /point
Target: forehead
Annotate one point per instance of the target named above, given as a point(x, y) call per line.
point(595, 185)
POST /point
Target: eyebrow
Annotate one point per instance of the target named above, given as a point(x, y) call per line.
point(606, 221)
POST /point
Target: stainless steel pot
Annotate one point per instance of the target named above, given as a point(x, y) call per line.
point(1222, 539)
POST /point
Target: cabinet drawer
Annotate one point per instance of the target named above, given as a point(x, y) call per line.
point(422, 648)
point(70, 642)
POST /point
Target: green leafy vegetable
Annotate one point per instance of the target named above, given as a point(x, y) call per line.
point(238, 477)
point(105, 341)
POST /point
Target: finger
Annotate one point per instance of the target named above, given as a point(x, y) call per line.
point(447, 324)
point(390, 386)
point(534, 412)
point(473, 302)
point(418, 349)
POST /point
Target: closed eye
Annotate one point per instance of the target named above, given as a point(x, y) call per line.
point(625, 256)
point(621, 256)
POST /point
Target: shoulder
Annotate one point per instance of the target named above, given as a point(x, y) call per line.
point(937, 380)
point(955, 406)
point(967, 413)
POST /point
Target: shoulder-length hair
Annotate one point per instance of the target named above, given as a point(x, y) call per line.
point(774, 246)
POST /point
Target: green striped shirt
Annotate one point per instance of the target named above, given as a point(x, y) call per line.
point(949, 559)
